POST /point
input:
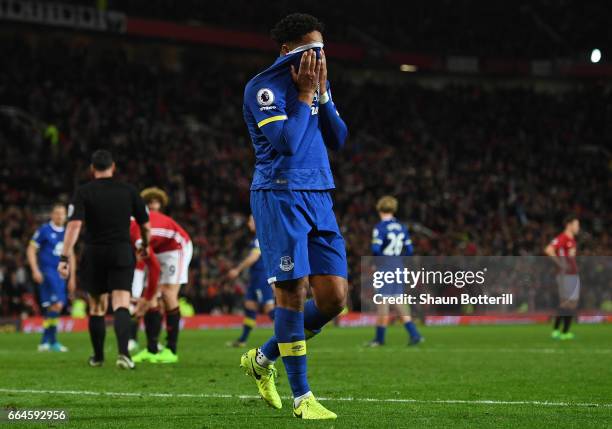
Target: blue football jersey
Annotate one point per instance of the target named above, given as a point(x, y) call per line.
point(391, 238)
point(290, 138)
point(49, 239)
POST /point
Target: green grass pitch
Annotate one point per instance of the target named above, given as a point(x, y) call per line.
point(529, 379)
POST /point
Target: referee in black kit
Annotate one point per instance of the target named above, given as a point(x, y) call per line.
point(106, 205)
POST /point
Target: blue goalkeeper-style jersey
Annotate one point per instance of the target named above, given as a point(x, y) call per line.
point(391, 238)
point(49, 240)
point(290, 138)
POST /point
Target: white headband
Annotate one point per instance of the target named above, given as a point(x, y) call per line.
point(305, 47)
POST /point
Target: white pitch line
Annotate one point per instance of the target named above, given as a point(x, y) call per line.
point(434, 349)
point(229, 396)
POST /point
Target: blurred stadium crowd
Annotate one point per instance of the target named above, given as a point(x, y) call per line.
point(477, 170)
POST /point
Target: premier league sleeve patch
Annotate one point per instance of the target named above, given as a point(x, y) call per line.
point(265, 97)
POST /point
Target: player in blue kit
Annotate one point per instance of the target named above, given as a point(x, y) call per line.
point(259, 293)
point(293, 121)
point(43, 255)
point(391, 239)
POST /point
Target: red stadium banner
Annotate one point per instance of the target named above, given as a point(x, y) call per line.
point(205, 321)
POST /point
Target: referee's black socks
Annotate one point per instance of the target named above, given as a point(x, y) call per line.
point(122, 329)
point(173, 322)
point(97, 333)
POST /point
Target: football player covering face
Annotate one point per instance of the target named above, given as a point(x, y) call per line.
point(293, 122)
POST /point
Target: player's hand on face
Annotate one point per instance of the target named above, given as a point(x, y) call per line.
point(63, 269)
point(307, 77)
point(37, 276)
point(323, 74)
point(233, 274)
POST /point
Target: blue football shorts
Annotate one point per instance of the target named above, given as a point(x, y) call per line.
point(298, 234)
point(52, 289)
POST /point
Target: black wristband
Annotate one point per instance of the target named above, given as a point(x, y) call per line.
point(63, 258)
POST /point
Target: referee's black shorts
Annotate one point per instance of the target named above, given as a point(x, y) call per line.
point(108, 268)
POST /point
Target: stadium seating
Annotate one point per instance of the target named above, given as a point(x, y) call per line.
point(477, 170)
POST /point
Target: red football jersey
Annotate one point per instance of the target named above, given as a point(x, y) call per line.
point(166, 234)
point(565, 248)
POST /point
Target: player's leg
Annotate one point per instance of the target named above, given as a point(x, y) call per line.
point(556, 333)
point(120, 282)
point(282, 233)
point(45, 293)
point(569, 311)
point(171, 281)
point(58, 300)
point(411, 329)
point(137, 287)
point(260, 293)
point(289, 333)
point(328, 273)
point(327, 259)
point(249, 322)
point(268, 308)
point(53, 313)
point(170, 293)
point(96, 283)
point(98, 305)
point(382, 320)
point(152, 323)
point(152, 320)
point(290, 341)
point(569, 294)
point(328, 300)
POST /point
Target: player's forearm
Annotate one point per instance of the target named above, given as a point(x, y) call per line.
point(72, 264)
point(73, 229)
point(145, 234)
point(31, 254)
point(550, 252)
point(286, 136)
point(248, 261)
point(333, 128)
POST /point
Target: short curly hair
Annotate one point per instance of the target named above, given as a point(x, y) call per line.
point(292, 27)
point(154, 193)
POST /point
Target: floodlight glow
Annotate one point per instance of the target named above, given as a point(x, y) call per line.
point(408, 68)
point(595, 55)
